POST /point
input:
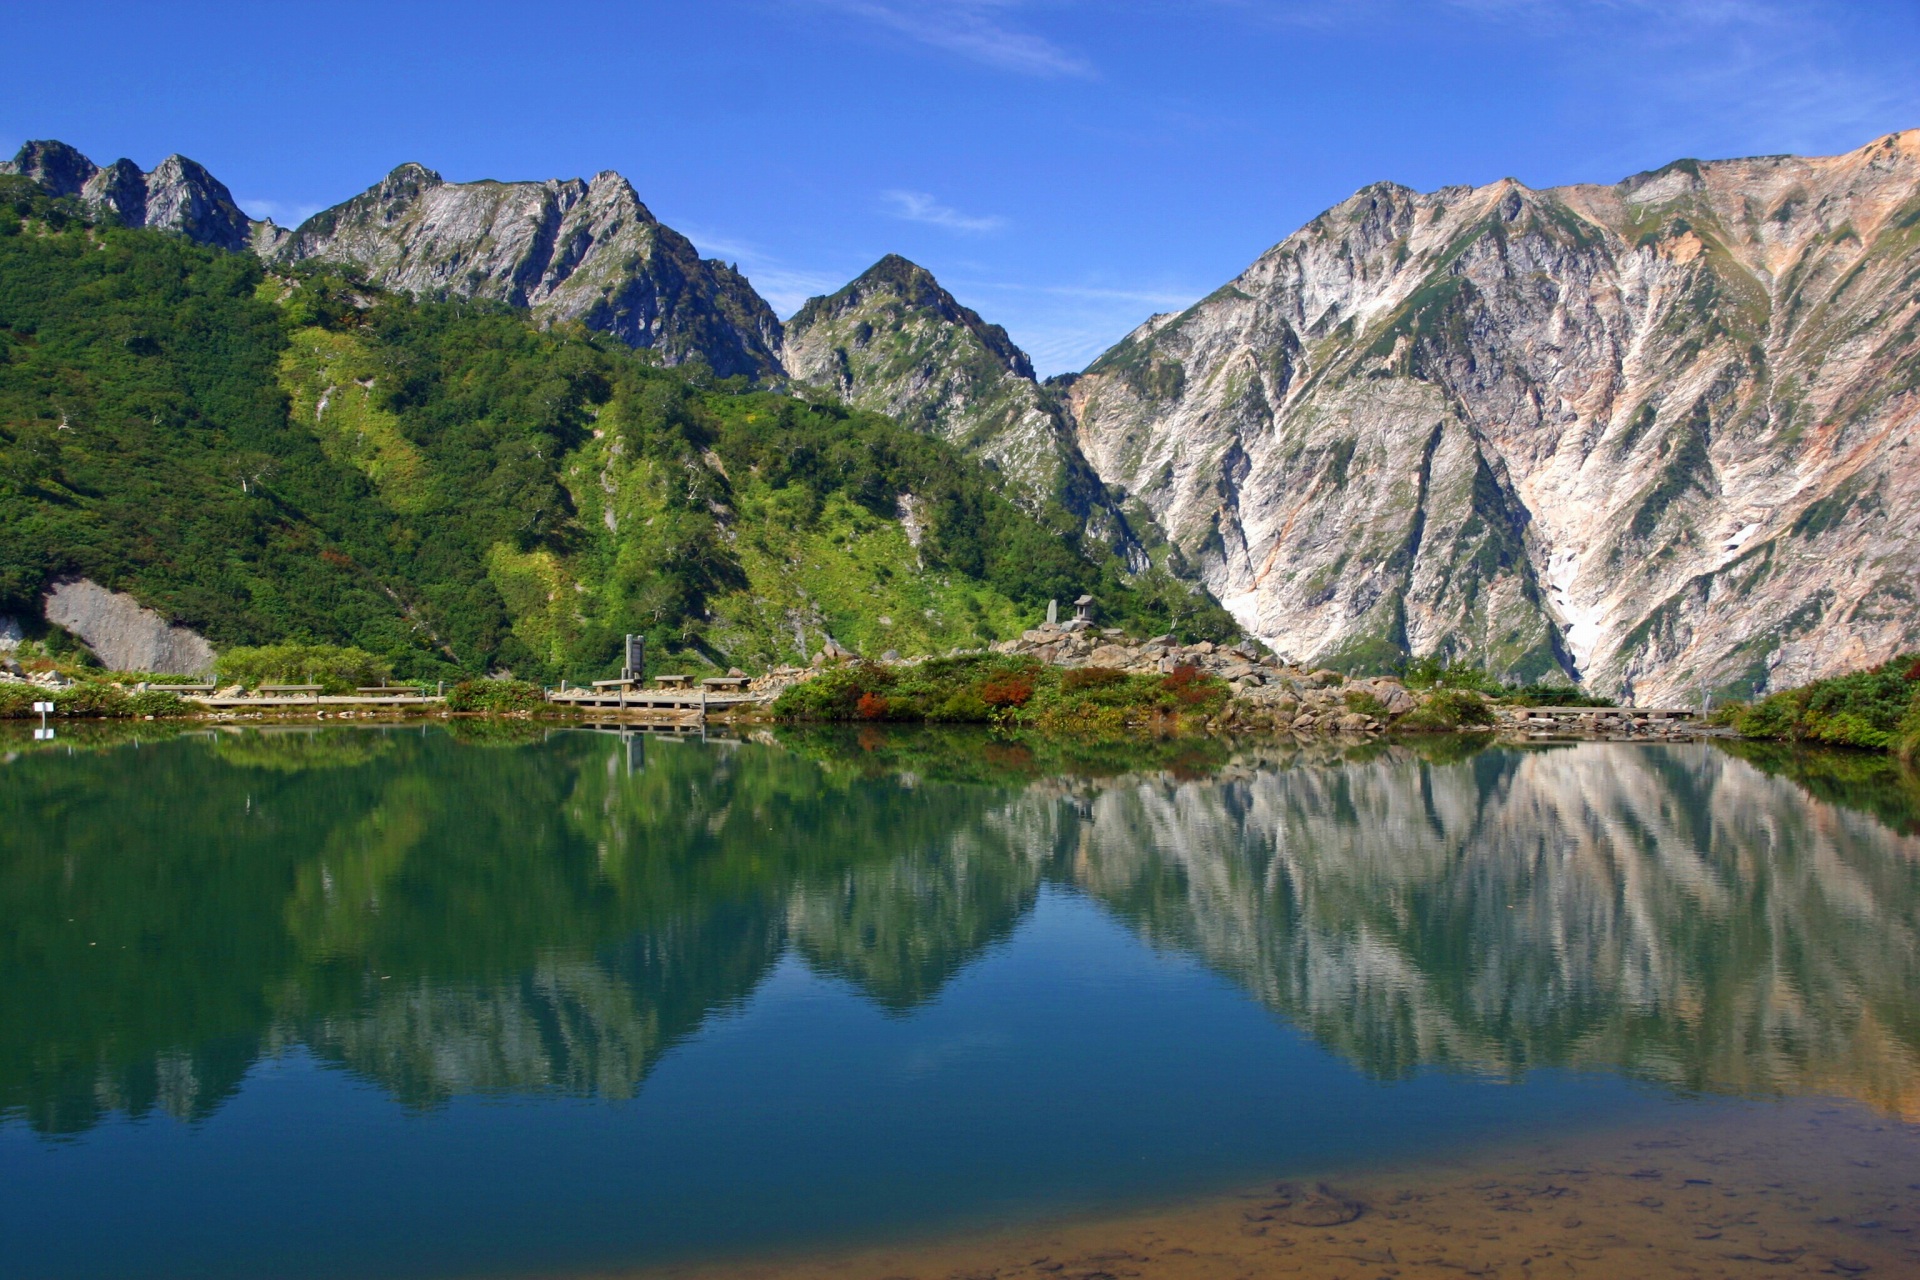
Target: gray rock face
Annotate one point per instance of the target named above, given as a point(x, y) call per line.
point(10, 634)
point(895, 342)
point(123, 633)
point(179, 195)
point(1659, 434)
point(568, 250)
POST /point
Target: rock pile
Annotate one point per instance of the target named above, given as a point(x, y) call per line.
point(1267, 693)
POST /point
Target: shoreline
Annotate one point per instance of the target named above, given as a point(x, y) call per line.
point(1802, 1185)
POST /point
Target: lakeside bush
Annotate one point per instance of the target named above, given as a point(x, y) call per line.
point(496, 696)
point(1878, 709)
point(1446, 710)
point(336, 669)
point(105, 701)
point(991, 689)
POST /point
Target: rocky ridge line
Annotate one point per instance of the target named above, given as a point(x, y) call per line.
point(1657, 435)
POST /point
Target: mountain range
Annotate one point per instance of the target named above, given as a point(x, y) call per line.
point(1657, 437)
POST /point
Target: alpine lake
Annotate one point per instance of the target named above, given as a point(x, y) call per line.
point(516, 1000)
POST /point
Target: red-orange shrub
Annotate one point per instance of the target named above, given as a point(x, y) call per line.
point(1188, 684)
point(872, 706)
point(1007, 689)
point(1090, 678)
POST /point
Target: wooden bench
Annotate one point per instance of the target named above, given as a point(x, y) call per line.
point(313, 689)
point(624, 682)
point(672, 682)
point(391, 690)
point(726, 682)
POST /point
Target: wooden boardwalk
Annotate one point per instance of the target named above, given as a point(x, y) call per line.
point(665, 707)
point(315, 700)
point(1561, 714)
point(668, 707)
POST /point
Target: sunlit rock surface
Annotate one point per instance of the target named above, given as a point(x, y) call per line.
point(586, 251)
point(178, 195)
point(1659, 434)
point(124, 634)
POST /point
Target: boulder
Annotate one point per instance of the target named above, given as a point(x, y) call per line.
point(10, 634)
point(1110, 655)
point(124, 634)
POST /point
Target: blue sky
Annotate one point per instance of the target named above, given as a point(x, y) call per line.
point(1065, 167)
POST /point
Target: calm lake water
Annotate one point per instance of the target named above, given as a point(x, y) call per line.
point(417, 1003)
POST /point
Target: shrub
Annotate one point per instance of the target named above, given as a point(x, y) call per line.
point(336, 669)
point(871, 706)
point(1862, 709)
point(962, 707)
point(1449, 709)
point(1090, 678)
point(97, 700)
point(91, 700)
point(160, 705)
point(1007, 689)
point(1908, 746)
point(496, 696)
point(1366, 704)
point(1550, 695)
point(1190, 686)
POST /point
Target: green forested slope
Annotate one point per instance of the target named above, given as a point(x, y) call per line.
point(266, 456)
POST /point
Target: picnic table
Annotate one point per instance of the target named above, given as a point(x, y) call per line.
point(726, 682)
point(672, 682)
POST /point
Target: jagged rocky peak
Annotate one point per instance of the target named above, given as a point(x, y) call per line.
point(177, 195)
point(895, 290)
point(895, 342)
point(1657, 434)
point(586, 251)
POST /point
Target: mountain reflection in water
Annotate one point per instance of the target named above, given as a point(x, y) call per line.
point(554, 915)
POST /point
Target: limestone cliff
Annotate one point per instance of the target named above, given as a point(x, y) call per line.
point(1659, 434)
point(568, 250)
point(895, 342)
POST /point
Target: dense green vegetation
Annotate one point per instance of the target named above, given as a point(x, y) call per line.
point(1005, 690)
point(1878, 709)
point(1433, 673)
point(93, 700)
point(337, 670)
point(277, 459)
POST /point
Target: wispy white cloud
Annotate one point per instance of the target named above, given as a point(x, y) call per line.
point(286, 213)
point(977, 30)
point(918, 206)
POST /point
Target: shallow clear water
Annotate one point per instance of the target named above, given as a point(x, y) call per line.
point(396, 1003)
